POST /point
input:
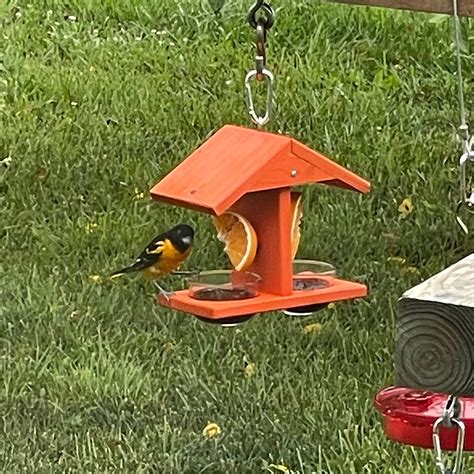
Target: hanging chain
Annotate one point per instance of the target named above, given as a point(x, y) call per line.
point(262, 25)
point(467, 157)
point(449, 419)
point(463, 130)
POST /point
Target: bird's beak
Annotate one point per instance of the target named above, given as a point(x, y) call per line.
point(187, 240)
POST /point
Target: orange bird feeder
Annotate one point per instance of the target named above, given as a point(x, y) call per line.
point(252, 172)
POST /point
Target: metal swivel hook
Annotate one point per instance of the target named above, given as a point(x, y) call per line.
point(268, 19)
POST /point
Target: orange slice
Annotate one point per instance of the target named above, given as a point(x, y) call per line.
point(297, 210)
point(239, 237)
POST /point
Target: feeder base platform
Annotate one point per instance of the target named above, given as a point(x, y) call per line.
point(340, 290)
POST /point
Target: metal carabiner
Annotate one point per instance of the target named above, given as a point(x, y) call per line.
point(449, 419)
point(260, 121)
point(441, 466)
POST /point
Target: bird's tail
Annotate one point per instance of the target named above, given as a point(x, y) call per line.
point(122, 271)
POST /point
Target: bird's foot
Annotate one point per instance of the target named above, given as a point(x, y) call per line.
point(186, 273)
point(165, 293)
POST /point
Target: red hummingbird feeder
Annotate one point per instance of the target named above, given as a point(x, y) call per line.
point(252, 172)
point(409, 416)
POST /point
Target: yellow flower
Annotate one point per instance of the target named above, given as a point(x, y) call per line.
point(90, 226)
point(331, 305)
point(279, 468)
point(211, 430)
point(138, 194)
point(95, 278)
point(406, 207)
point(313, 328)
point(169, 346)
point(412, 270)
point(249, 370)
point(399, 260)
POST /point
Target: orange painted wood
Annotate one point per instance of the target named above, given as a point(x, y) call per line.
point(215, 175)
point(237, 160)
point(339, 291)
point(270, 214)
point(465, 7)
point(336, 174)
point(292, 169)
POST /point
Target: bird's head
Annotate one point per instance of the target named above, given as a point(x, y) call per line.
point(182, 236)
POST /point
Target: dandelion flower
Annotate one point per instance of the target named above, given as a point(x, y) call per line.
point(406, 207)
point(138, 194)
point(249, 370)
point(313, 328)
point(90, 226)
point(412, 270)
point(169, 346)
point(399, 260)
point(211, 430)
point(279, 468)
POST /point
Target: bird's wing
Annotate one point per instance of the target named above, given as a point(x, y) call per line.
point(150, 255)
point(147, 258)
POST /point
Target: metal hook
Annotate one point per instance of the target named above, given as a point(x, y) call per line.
point(467, 185)
point(269, 18)
point(451, 410)
point(459, 219)
point(466, 188)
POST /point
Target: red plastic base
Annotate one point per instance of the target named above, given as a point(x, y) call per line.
point(409, 416)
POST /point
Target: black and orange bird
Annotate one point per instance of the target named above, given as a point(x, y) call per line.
point(162, 255)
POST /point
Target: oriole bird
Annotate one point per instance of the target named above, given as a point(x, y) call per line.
point(162, 255)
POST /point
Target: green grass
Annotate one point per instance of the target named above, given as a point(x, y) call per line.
point(95, 377)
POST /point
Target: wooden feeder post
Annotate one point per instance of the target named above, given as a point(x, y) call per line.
point(270, 214)
point(435, 346)
point(252, 172)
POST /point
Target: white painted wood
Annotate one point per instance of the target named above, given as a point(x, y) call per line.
point(454, 285)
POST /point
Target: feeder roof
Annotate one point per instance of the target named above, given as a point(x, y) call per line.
point(236, 161)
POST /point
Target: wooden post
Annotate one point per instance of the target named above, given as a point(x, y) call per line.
point(465, 7)
point(435, 346)
point(270, 214)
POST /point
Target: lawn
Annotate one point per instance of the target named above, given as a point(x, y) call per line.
point(98, 101)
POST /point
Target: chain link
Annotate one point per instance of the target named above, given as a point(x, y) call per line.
point(466, 182)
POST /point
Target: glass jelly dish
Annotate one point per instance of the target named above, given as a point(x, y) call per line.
point(223, 285)
point(310, 275)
